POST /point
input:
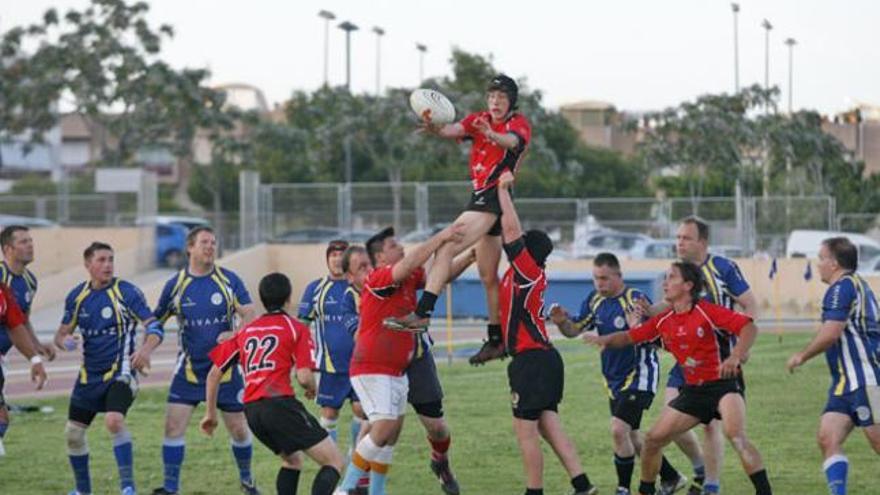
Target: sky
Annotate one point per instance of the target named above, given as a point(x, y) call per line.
point(636, 54)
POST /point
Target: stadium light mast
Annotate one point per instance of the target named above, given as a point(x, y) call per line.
point(790, 42)
point(379, 33)
point(767, 28)
point(735, 8)
point(422, 49)
point(348, 27)
point(327, 16)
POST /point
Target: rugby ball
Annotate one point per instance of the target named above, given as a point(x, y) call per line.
point(432, 105)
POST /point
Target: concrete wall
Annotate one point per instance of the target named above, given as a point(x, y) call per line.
point(58, 249)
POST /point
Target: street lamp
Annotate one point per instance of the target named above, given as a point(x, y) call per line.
point(422, 49)
point(348, 27)
point(735, 8)
point(767, 27)
point(379, 33)
point(327, 16)
point(790, 42)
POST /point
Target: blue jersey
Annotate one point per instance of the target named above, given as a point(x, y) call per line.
point(629, 368)
point(322, 304)
point(205, 307)
point(724, 283)
point(24, 287)
point(106, 318)
point(854, 360)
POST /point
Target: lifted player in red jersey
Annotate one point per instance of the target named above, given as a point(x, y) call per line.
point(695, 332)
point(267, 349)
point(500, 137)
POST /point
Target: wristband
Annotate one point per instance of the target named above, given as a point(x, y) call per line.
point(155, 328)
point(36, 359)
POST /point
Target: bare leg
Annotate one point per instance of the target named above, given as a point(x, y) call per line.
point(529, 441)
point(488, 259)
point(551, 429)
point(669, 425)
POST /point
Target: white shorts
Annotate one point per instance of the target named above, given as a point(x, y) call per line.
point(382, 396)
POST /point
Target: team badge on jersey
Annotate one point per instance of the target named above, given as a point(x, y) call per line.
point(700, 332)
point(216, 298)
point(106, 312)
point(619, 323)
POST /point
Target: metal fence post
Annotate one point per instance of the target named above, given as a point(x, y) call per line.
point(249, 207)
point(422, 199)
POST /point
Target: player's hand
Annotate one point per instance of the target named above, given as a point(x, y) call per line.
point(593, 338)
point(47, 351)
point(558, 314)
point(66, 342)
point(506, 180)
point(310, 393)
point(141, 360)
point(634, 316)
point(427, 126)
point(224, 336)
point(730, 367)
point(482, 125)
point(38, 375)
point(208, 424)
point(643, 305)
point(794, 361)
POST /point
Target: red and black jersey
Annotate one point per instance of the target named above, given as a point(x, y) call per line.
point(378, 350)
point(488, 160)
point(11, 315)
point(267, 348)
point(697, 338)
point(521, 301)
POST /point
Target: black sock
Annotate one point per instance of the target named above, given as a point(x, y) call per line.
point(762, 484)
point(647, 488)
point(581, 483)
point(534, 491)
point(325, 481)
point(667, 472)
point(493, 330)
point(287, 480)
point(426, 304)
point(624, 467)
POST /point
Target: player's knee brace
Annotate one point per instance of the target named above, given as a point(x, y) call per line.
point(76, 439)
point(368, 449)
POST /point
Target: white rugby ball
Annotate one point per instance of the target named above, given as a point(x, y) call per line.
point(438, 107)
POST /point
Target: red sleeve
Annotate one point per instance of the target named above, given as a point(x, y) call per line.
point(380, 283)
point(525, 265)
point(225, 352)
point(726, 319)
point(520, 126)
point(468, 124)
point(13, 316)
point(302, 346)
point(645, 332)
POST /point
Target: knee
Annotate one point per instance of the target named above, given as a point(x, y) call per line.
point(238, 431)
point(75, 434)
point(828, 442)
point(115, 423)
point(620, 433)
point(292, 461)
point(652, 442)
point(488, 275)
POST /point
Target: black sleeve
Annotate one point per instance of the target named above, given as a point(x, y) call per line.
point(514, 248)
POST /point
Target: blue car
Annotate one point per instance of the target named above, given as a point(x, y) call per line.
point(171, 239)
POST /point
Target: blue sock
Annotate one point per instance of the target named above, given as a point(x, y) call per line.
point(3, 428)
point(243, 452)
point(377, 483)
point(712, 487)
point(835, 468)
point(173, 450)
point(352, 475)
point(355, 431)
point(124, 459)
point(80, 465)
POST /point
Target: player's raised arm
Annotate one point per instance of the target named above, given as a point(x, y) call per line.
point(418, 256)
point(559, 316)
point(448, 131)
point(511, 229)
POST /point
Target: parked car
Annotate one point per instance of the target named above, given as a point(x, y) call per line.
point(423, 235)
point(622, 244)
point(26, 221)
point(655, 249)
point(728, 251)
point(171, 234)
point(871, 267)
point(805, 243)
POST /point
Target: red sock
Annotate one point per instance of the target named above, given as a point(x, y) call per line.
point(439, 448)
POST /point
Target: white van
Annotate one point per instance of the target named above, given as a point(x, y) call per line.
point(805, 244)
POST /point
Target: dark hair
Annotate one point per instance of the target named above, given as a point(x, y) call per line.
point(375, 243)
point(194, 232)
point(845, 253)
point(506, 85)
point(274, 291)
point(691, 273)
point(7, 233)
point(334, 246)
point(702, 226)
point(539, 245)
point(346, 256)
point(95, 246)
point(607, 259)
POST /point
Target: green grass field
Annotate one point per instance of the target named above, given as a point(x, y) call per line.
point(783, 417)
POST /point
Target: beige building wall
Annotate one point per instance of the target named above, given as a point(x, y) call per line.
point(57, 249)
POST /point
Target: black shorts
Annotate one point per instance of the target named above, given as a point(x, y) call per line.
point(425, 392)
point(630, 406)
point(701, 401)
point(283, 424)
point(486, 200)
point(118, 398)
point(537, 379)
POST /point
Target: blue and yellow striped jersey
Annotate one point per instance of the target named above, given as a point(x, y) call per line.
point(322, 304)
point(854, 360)
point(24, 288)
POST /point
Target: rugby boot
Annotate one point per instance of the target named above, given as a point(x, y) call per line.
point(409, 323)
point(443, 472)
point(489, 351)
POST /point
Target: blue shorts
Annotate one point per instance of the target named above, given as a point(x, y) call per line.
point(229, 399)
point(676, 377)
point(5, 341)
point(333, 389)
point(93, 396)
point(862, 406)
